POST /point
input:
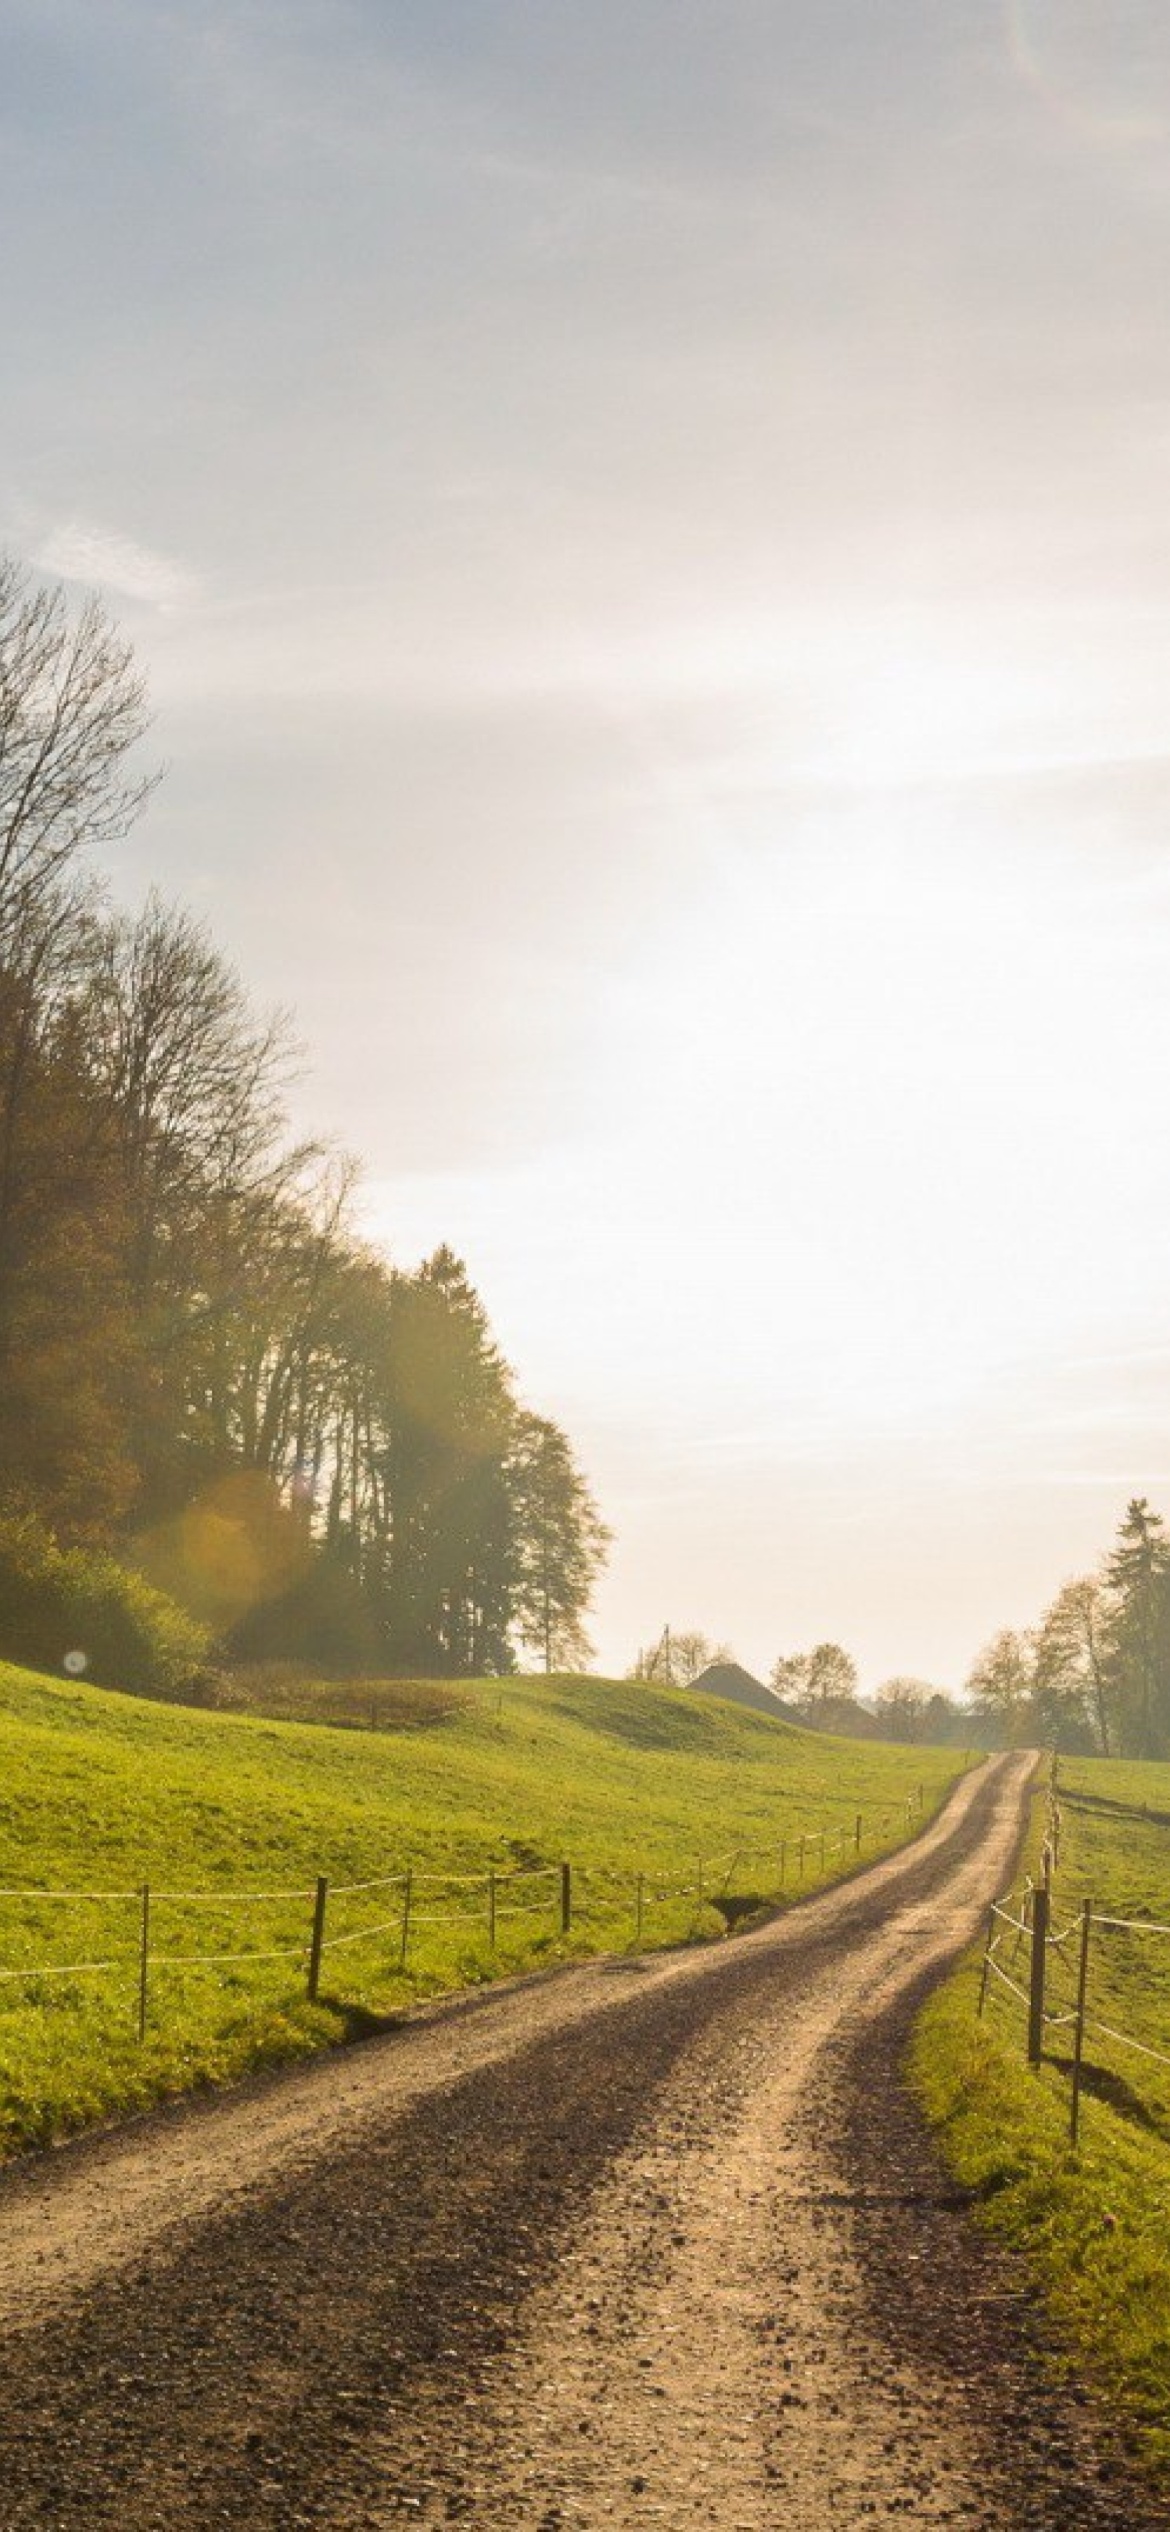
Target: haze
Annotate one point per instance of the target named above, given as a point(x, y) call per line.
point(647, 531)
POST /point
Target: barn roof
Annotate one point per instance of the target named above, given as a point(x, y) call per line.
point(731, 1680)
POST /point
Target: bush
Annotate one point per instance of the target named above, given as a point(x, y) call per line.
point(76, 1609)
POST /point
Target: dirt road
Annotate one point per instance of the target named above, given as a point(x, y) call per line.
point(651, 2244)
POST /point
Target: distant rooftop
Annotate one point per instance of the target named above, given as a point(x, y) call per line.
point(731, 1680)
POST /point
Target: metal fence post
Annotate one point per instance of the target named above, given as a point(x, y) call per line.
point(1079, 2034)
point(1040, 1909)
point(144, 1963)
point(986, 1963)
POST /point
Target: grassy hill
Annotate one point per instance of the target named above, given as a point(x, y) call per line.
point(1094, 2223)
point(100, 1793)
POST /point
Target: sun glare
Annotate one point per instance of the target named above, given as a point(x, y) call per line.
point(843, 1106)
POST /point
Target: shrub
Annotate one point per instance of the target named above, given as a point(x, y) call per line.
point(77, 1609)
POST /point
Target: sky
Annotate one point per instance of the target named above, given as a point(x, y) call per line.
point(647, 532)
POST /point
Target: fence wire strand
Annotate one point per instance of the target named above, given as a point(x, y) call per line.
point(494, 1889)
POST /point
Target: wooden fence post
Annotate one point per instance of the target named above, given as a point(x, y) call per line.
point(566, 1897)
point(405, 1918)
point(491, 1911)
point(143, 1963)
point(857, 1836)
point(1079, 2033)
point(638, 1910)
point(1040, 1908)
point(800, 1858)
point(317, 1937)
point(783, 1857)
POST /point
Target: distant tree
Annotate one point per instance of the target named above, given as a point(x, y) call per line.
point(1000, 1683)
point(832, 1675)
point(679, 1656)
point(692, 1653)
point(789, 1676)
point(824, 1677)
point(901, 1705)
point(1070, 1686)
point(945, 1719)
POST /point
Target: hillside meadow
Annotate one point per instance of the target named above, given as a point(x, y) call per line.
point(1094, 2222)
point(679, 1815)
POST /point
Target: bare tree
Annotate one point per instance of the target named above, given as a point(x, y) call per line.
point(194, 1079)
point(679, 1656)
point(72, 711)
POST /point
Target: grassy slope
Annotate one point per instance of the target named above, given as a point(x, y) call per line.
point(1094, 2226)
point(101, 1791)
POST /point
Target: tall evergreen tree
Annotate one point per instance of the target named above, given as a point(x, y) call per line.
point(1137, 1577)
point(559, 1542)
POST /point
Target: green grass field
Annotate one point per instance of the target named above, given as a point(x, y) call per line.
point(102, 1793)
point(1095, 2224)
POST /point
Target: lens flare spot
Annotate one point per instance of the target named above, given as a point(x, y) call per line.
point(237, 1546)
point(1101, 67)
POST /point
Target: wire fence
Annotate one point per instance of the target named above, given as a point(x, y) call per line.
point(154, 1930)
point(1055, 1972)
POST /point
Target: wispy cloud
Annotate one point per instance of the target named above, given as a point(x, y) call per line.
point(102, 559)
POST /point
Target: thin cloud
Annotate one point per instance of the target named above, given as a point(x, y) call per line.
point(102, 559)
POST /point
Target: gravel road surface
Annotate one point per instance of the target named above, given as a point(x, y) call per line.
point(652, 2243)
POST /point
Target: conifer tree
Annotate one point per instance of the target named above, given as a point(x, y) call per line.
point(1137, 1576)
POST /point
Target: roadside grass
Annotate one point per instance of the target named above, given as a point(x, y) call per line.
point(1094, 2224)
point(102, 1793)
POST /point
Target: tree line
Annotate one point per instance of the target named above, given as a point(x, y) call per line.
point(201, 1361)
point(1095, 1673)
point(820, 1686)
